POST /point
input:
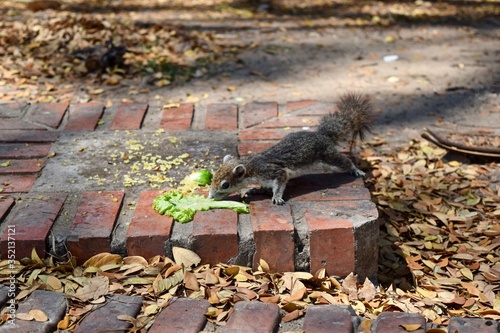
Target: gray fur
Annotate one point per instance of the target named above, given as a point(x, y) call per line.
point(298, 153)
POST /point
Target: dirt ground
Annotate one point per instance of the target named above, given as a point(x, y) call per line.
point(423, 63)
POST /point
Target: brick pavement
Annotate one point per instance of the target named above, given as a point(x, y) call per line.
point(187, 315)
point(323, 216)
point(328, 222)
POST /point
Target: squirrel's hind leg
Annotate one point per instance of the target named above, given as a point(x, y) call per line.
point(341, 163)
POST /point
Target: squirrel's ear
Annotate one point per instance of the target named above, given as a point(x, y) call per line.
point(227, 158)
point(239, 171)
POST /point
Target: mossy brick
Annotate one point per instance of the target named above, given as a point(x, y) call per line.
point(177, 118)
point(29, 232)
point(92, 227)
point(251, 317)
point(185, 315)
point(47, 114)
point(53, 304)
point(129, 116)
point(105, 317)
point(24, 150)
point(328, 318)
point(31, 136)
point(255, 113)
point(221, 117)
point(84, 116)
point(473, 325)
point(215, 235)
point(21, 166)
point(273, 235)
point(148, 230)
point(390, 322)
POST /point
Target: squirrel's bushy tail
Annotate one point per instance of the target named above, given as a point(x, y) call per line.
point(353, 119)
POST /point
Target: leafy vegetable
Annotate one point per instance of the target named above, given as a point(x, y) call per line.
point(202, 177)
point(182, 208)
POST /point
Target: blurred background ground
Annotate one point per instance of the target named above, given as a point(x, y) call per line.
point(423, 62)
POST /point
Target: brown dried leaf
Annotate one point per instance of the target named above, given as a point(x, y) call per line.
point(368, 291)
point(185, 257)
point(38, 315)
point(190, 281)
point(350, 286)
point(97, 287)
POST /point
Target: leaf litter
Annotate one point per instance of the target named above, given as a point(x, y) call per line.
point(439, 256)
point(48, 54)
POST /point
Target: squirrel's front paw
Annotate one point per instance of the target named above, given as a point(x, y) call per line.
point(278, 201)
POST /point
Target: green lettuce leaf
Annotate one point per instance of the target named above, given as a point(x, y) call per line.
point(182, 208)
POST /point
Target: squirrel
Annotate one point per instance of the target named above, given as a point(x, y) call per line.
point(298, 153)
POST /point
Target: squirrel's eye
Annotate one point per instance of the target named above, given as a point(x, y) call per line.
point(224, 185)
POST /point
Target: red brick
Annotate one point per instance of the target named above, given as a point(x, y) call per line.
point(273, 235)
point(84, 116)
point(148, 231)
point(291, 121)
point(5, 206)
point(390, 322)
point(327, 181)
point(255, 113)
point(93, 224)
point(306, 193)
point(295, 105)
point(215, 235)
point(48, 114)
point(263, 134)
point(24, 150)
point(331, 241)
point(17, 124)
point(21, 166)
point(12, 110)
point(27, 136)
point(251, 317)
point(327, 318)
point(105, 317)
point(16, 184)
point(251, 147)
point(473, 325)
point(32, 232)
point(185, 315)
point(53, 304)
point(177, 119)
point(327, 187)
point(221, 117)
point(129, 116)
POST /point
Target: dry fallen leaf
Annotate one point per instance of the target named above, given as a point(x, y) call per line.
point(411, 327)
point(38, 315)
point(185, 257)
